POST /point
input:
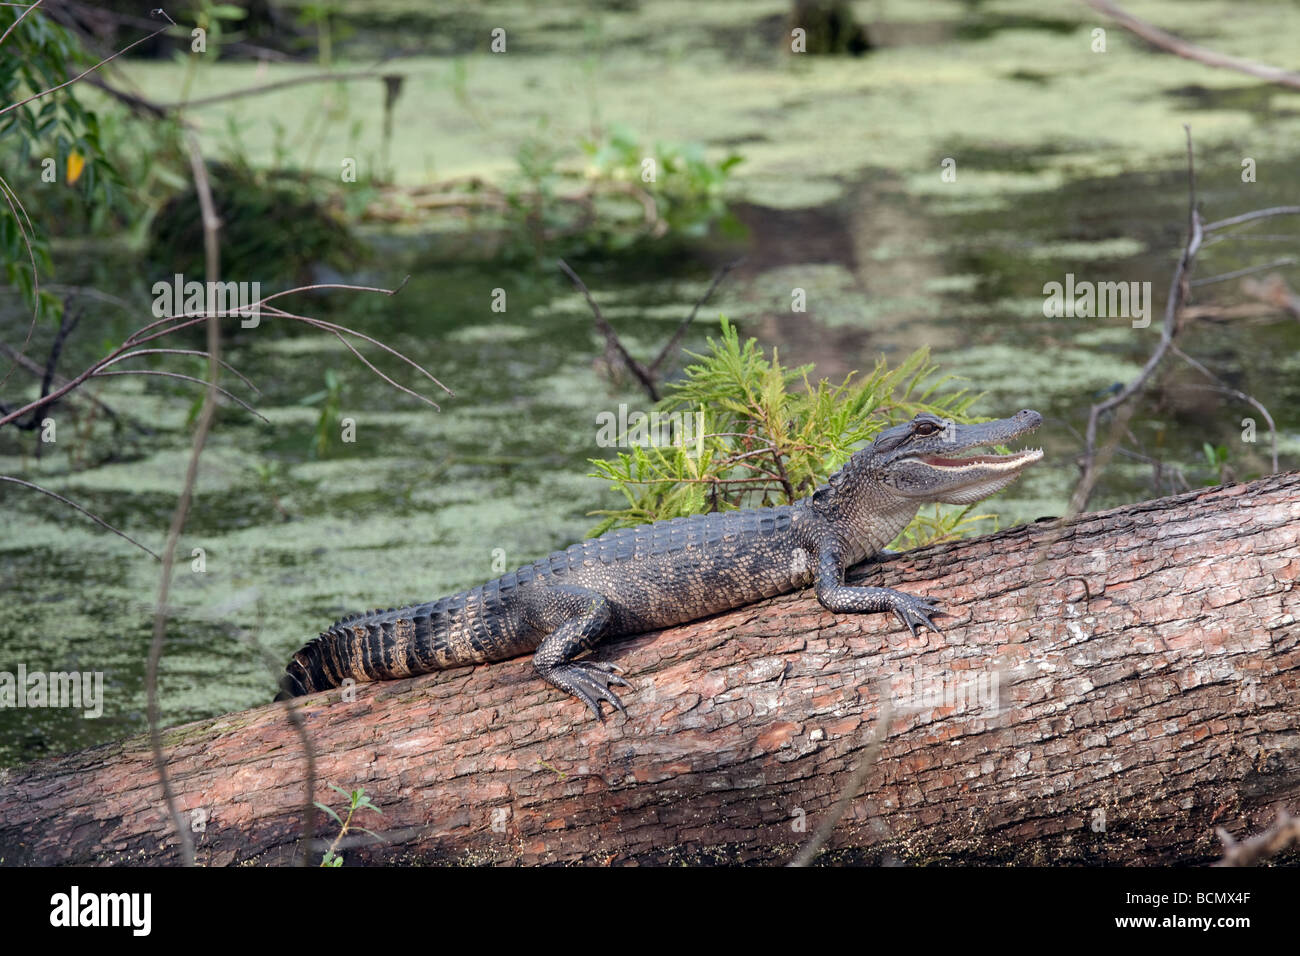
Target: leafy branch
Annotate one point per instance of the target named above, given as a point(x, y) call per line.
point(742, 430)
point(357, 800)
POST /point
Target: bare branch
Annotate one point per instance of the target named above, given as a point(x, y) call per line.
point(1092, 462)
point(19, 19)
point(72, 504)
point(823, 832)
point(212, 253)
point(612, 343)
point(341, 330)
point(332, 285)
point(1284, 833)
point(678, 335)
point(67, 322)
point(1226, 389)
point(1175, 307)
point(168, 325)
point(37, 96)
point(1238, 273)
point(1253, 216)
point(188, 378)
point(90, 292)
point(292, 710)
point(28, 365)
point(270, 87)
point(1190, 51)
point(224, 364)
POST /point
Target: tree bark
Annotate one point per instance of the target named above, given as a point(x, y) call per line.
point(1109, 690)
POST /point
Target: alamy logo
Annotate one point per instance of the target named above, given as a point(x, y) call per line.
point(102, 909)
point(1098, 300)
point(84, 690)
point(195, 298)
point(971, 691)
point(626, 430)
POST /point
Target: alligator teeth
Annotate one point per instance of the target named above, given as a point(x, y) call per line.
point(998, 462)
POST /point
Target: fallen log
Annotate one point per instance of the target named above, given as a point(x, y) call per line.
point(1109, 690)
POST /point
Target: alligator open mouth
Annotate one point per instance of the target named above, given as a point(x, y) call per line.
point(1009, 462)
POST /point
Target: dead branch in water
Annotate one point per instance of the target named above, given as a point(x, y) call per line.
point(1093, 461)
point(616, 353)
point(1190, 51)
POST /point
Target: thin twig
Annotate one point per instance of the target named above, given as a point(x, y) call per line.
point(678, 335)
point(1242, 396)
point(171, 324)
point(28, 365)
point(270, 87)
point(199, 352)
point(292, 710)
point(823, 832)
point(643, 374)
point(186, 378)
point(19, 19)
point(37, 96)
point(72, 504)
point(339, 331)
point(702, 481)
point(1284, 832)
point(67, 322)
point(90, 292)
point(212, 254)
point(1238, 273)
point(1252, 217)
point(784, 478)
point(1092, 461)
point(132, 100)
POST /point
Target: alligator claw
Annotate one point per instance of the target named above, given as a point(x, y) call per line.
point(590, 681)
point(914, 611)
point(604, 667)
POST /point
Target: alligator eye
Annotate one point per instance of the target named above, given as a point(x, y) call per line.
point(925, 429)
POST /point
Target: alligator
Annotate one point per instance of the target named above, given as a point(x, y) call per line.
point(653, 576)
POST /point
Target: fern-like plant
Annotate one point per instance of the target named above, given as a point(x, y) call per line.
point(741, 431)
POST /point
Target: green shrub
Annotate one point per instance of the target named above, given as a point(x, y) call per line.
point(747, 432)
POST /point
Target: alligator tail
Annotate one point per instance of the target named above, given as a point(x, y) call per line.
point(375, 645)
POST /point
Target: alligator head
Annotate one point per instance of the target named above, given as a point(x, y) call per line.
point(877, 492)
point(923, 460)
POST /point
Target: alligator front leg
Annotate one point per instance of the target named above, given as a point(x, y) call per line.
point(575, 618)
point(841, 598)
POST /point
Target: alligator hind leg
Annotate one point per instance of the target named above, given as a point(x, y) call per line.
point(575, 618)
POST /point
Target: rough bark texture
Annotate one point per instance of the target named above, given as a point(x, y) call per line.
point(1112, 691)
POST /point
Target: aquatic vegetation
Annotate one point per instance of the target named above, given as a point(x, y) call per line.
point(627, 194)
